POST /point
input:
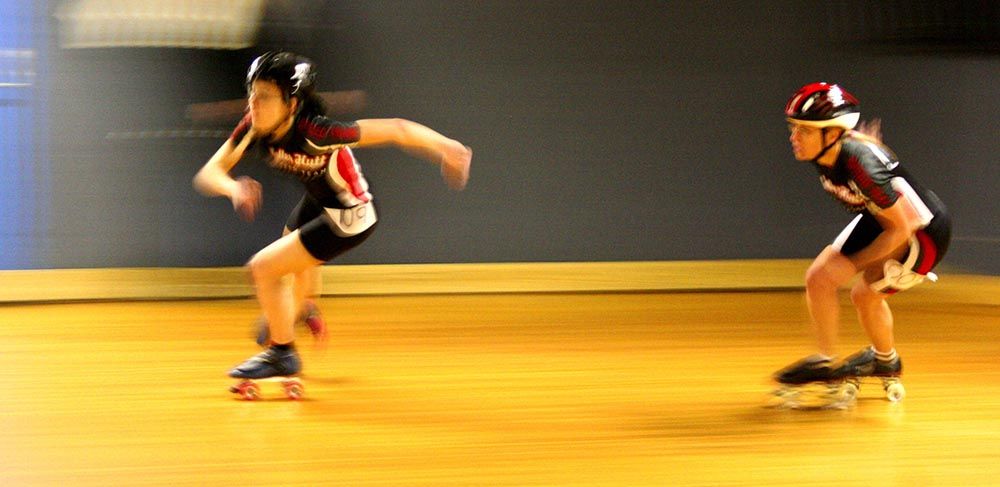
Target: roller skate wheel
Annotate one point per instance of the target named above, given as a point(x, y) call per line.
point(785, 392)
point(895, 392)
point(785, 398)
point(851, 389)
point(248, 391)
point(293, 389)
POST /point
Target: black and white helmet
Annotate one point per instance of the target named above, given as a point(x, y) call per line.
point(294, 74)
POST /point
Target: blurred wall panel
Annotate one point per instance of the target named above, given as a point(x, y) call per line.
point(647, 131)
point(209, 24)
point(23, 146)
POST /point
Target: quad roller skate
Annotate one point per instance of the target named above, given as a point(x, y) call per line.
point(863, 366)
point(271, 365)
point(310, 317)
point(810, 383)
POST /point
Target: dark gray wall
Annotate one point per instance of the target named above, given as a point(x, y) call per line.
point(602, 131)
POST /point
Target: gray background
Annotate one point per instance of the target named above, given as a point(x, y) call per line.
point(602, 130)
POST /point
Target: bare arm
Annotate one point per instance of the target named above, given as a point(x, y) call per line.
point(213, 178)
point(899, 222)
point(421, 141)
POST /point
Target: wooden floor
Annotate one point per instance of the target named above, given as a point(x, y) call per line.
point(493, 389)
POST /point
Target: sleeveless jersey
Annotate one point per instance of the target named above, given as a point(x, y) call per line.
point(317, 151)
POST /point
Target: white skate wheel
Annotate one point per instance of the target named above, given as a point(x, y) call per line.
point(850, 392)
point(895, 392)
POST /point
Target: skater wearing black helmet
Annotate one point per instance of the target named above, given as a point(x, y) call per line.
point(285, 120)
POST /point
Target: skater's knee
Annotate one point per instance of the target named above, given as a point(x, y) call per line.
point(862, 295)
point(829, 271)
point(818, 279)
point(260, 270)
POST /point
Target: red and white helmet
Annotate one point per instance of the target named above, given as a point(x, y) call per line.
point(823, 105)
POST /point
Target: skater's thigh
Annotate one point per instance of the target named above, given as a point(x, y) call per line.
point(284, 256)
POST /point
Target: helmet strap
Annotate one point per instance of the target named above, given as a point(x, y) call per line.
point(829, 146)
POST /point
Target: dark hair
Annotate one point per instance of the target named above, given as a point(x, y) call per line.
point(312, 105)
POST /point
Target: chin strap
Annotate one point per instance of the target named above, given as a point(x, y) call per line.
point(822, 152)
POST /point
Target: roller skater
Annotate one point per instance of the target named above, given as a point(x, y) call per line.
point(900, 233)
point(286, 124)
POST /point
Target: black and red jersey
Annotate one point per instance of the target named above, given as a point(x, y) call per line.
point(867, 177)
point(317, 150)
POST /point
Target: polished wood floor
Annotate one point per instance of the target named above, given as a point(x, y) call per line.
point(493, 389)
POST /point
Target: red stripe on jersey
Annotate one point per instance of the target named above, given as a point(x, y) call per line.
point(872, 190)
point(329, 134)
point(348, 170)
point(928, 253)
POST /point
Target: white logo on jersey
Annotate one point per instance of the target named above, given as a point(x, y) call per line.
point(850, 195)
point(882, 156)
point(299, 164)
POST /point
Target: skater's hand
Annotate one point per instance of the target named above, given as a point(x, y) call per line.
point(455, 162)
point(247, 198)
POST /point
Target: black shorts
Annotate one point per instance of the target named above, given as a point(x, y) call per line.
point(317, 233)
point(933, 239)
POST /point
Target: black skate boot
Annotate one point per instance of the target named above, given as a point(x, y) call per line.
point(272, 362)
point(888, 369)
point(814, 368)
point(809, 383)
point(861, 364)
point(864, 364)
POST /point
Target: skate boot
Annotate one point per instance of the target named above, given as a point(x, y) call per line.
point(861, 364)
point(272, 362)
point(271, 365)
point(810, 383)
point(310, 316)
point(814, 368)
point(865, 364)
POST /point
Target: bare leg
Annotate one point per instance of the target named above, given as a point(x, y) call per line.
point(306, 287)
point(827, 273)
point(268, 268)
point(874, 315)
point(873, 310)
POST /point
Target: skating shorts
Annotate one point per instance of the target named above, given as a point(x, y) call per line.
point(329, 232)
point(930, 244)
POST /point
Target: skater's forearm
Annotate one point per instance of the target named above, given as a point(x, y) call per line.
point(412, 137)
point(898, 222)
point(213, 178)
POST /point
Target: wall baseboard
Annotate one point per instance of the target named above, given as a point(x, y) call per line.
point(60, 285)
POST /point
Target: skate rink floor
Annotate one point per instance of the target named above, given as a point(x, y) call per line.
point(578, 389)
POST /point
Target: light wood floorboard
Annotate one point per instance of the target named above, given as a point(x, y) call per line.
point(591, 389)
